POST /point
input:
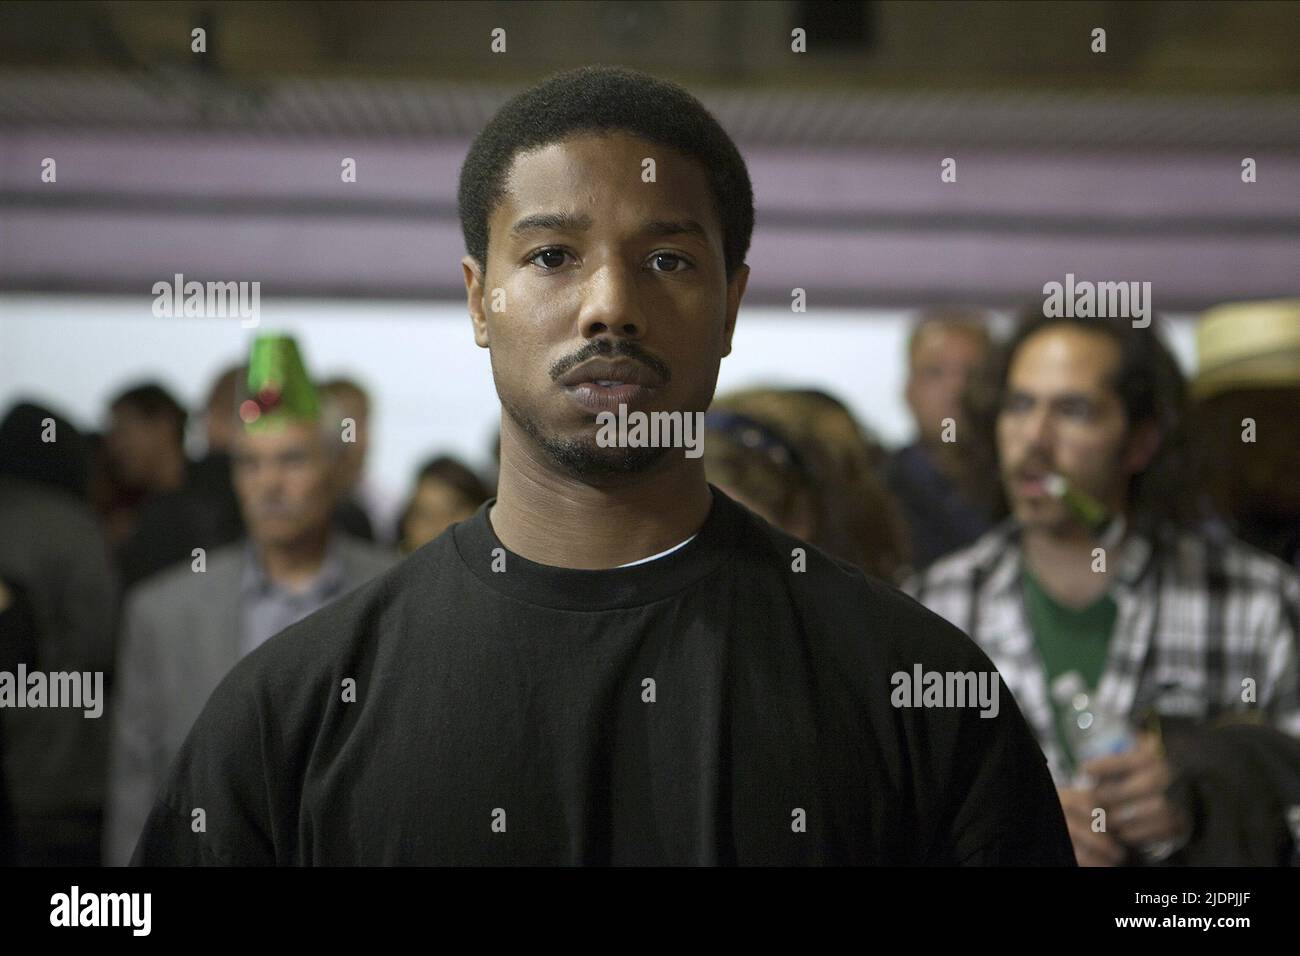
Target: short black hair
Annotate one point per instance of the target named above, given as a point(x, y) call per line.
point(152, 401)
point(605, 99)
point(63, 464)
point(456, 475)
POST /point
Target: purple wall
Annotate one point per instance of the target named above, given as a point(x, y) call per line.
point(870, 226)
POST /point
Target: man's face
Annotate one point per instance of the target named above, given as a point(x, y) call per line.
point(283, 478)
point(942, 361)
point(620, 271)
point(1061, 414)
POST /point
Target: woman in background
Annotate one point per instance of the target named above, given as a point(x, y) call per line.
point(799, 459)
point(446, 491)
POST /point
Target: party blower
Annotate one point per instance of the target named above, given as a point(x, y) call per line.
point(1106, 526)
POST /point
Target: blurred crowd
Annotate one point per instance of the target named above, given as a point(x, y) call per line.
point(1187, 485)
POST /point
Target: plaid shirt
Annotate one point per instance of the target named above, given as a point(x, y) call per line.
point(1195, 618)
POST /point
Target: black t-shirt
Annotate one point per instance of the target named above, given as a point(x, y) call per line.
point(714, 706)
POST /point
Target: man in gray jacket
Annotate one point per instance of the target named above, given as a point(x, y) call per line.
point(185, 627)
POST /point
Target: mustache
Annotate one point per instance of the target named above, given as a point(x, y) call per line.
point(604, 348)
point(1031, 465)
point(274, 508)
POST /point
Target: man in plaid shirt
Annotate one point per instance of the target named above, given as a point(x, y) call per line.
point(1154, 616)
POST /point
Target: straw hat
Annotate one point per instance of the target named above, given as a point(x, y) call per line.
point(1248, 345)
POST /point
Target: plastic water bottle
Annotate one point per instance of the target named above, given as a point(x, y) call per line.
point(1091, 731)
point(1094, 732)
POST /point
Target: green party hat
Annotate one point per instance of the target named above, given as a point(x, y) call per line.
point(277, 389)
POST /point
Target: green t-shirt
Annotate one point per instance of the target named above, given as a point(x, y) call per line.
point(1069, 639)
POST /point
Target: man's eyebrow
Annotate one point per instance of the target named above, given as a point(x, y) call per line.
point(670, 227)
point(567, 222)
point(551, 222)
point(1071, 395)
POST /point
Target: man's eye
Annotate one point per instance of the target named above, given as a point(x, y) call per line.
point(673, 256)
point(548, 252)
point(1016, 403)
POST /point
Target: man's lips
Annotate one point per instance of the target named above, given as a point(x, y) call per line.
point(274, 511)
point(598, 397)
point(606, 373)
point(1030, 484)
point(601, 385)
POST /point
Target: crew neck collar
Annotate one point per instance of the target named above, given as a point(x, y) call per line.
point(587, 590)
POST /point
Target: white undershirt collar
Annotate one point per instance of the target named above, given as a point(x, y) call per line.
point(661, 554)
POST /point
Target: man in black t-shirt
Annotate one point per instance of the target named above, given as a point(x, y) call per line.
point(611, 662)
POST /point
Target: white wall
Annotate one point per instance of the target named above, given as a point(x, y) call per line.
point(431, 386)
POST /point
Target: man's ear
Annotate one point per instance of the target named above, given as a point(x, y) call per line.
point(1141, 447)
point(474, 294)
point(735, 292)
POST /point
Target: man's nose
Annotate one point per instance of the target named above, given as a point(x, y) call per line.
point(953, 388)
point(609, 304)
point(1038, 427)
point(959, 380)
point(269, 479)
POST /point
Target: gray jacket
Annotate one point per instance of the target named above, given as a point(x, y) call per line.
point(181, 634)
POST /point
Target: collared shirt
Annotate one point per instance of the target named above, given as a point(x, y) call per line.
point(268, 607)
point(1204, 629)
